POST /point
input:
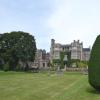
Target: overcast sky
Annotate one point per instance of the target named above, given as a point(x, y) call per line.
point(63, 20)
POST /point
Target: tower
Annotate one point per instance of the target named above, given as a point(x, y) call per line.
point(52, 49)
point(76, 50)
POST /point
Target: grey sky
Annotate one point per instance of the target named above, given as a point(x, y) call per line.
point(63, 20)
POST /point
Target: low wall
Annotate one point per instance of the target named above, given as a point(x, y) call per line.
point(77, 69)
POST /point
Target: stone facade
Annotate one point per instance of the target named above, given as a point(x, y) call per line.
point(76, 49)
point(41, 59)
point(86, 54)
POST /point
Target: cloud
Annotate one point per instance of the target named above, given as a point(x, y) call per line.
point(63, 20)
point(27, 15)
point(75, 19)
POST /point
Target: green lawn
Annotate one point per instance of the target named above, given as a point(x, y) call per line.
point(42, 86)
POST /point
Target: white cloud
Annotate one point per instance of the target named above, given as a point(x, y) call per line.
point(75, 19)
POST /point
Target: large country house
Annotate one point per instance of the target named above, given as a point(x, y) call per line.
point(75, 48)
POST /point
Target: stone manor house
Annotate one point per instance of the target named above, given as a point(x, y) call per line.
point(76, 48)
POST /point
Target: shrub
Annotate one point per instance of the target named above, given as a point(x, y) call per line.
point(6, 67)
point(19, 67)
point(94, 65)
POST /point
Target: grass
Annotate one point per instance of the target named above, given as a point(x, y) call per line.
point(42, 86)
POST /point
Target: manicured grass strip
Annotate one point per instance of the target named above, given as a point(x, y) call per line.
point(41, 86)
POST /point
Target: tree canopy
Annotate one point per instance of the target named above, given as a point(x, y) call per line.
point(94, 65)
point(15, 47)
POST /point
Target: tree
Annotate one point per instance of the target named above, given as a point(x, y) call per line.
point(68, 53)
point(94, 65)
point(6, 67)
point(75, 62)
point(82, 64)
point(56, 62)
point(62, 54)
point(15, 47)
point(60, 61)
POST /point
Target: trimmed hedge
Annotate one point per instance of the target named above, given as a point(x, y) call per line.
point(94, 65)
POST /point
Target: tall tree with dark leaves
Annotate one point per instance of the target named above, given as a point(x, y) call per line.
point(94, 65)
point(15, 47)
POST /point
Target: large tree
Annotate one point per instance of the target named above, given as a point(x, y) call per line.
point(15, 47)
point(94, 65)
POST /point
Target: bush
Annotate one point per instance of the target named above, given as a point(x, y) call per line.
point(6, 67)
point(82, 64)
point(19, 67)
point(94, 65)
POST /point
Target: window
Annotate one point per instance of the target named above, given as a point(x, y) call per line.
point(43, 64)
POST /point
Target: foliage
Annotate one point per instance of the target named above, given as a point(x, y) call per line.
point(19, 67)
point(17, 46)
point(61, 59)
point(69, 59)
point(1, 65)
point(50, 64)
point(6, 66)
point(59, 62)
point(56, 61)
point(79, 63)
point(94, 65)
point(82, 64)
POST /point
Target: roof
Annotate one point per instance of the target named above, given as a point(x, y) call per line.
point(86, 49)
point(67, 45)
